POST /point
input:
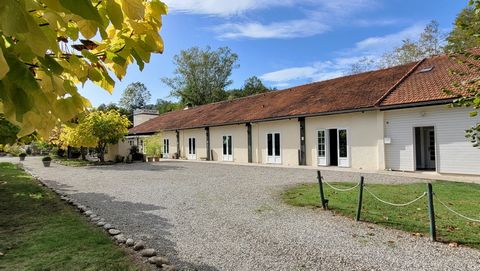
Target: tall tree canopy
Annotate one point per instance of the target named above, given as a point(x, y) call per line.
point(253, 85)
point(201, 75)
point(466, 33)
point(135, 96)
point(164, 106)
point(47, 49)
point(463, 35)
point(429, 43)
point(97, 129)
point(8, 131)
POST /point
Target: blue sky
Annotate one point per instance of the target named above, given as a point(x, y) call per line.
point(284, 42)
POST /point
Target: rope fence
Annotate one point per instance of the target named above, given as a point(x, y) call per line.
point(395, 204)
point(361, 186)
point(455, 212)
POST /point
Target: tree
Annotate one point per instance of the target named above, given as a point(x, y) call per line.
point(98, 129)
point(253, 85)
point(135, 96)
point(462, 36)
point(164, 106)
point(113, 106)
point(47, 49)
point(201, 75)
point(428, 44)
point(8, 131)
point(467, 90)
point(365, 64)
point(73, 136)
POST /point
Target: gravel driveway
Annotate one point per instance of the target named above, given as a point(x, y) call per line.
point(207, 216)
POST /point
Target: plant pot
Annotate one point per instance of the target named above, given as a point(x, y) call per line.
point(156, 159)
point(149, 159)
point(46, 163)
point(22, 158)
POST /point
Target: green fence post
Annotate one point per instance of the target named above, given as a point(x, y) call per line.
point(431, 212)
point(320, 185)
point(360, 199)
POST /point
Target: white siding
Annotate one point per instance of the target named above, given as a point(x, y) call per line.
point(454, 153)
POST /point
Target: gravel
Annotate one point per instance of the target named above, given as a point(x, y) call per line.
point(207, 216)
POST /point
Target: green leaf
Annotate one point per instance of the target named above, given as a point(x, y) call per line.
point(51, 64)
point(3, 65)
point(13, 19)
point(134, 9)
point(114, 12)
point(82, 8)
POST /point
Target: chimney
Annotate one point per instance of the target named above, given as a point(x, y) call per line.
point(142, 115)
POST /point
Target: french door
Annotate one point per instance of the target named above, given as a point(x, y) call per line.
point(343, 157)
point(322, 149)
point(273, 148)
point(166, 148)
point(192, 151)
point(227, 148)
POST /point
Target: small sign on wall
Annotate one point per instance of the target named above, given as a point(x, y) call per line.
point(387, 140)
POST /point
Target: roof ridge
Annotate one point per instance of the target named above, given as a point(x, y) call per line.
point(389, 91)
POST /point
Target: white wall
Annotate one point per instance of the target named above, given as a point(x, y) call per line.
point(363, 131)
point(289, 139)
point(239, 142)
point(200, 142)
point(172, 137)
point(454, 154)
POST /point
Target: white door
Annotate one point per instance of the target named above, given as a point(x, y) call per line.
point(192, 151)
point(166, 148)
point(273, 148)
point(322, 150)
point(342, 139)
point(227, 148)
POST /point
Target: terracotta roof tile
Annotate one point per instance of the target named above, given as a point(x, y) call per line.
point(346, 93)
point(426, 82)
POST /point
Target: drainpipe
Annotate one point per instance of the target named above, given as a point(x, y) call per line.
point(207, 134)
point(302, 157)
point(178, 143)
point(249, 136)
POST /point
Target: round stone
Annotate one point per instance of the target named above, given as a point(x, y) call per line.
point(129, 242)
point(114, 231)
point(148, 252)
point(139, 245)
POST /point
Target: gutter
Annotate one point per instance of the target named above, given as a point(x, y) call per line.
point(418, 104)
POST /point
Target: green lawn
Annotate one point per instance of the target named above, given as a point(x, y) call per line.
point(462, 197)
point(40, 232)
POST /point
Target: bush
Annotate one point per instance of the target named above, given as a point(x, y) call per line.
point(22, 154)
point(153, 145)
point(47, 158)
point(14, 150)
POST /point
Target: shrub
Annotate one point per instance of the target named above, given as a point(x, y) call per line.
point(22, 154)
point(47, 158)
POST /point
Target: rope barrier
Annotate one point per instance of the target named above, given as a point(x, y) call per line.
point(455, 212)
point(395, 204)
point(341, 189)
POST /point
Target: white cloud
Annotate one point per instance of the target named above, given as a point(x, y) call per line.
point(372, 48)
point(287, 29)
point(223, 7)
point(383, 43)
point(319, 16)
point(318, 71)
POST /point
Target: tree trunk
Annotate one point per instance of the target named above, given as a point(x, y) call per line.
point(83, 151)
point(101, 150)
point(69, 152)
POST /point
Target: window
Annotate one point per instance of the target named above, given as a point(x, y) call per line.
point(342, 143)
point(321, 143)
point(166, 145)
point(277, 144)
point(270, 144)
point(191, 146)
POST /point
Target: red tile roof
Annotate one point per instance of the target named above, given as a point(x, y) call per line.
point(426, 82)
point(398, 85)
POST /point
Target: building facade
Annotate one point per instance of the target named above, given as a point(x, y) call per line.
point(391, 119)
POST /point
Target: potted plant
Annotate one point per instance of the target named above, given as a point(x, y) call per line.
point(46, 161)
point(22, 156)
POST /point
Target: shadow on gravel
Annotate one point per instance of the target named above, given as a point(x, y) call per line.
point(140, 221)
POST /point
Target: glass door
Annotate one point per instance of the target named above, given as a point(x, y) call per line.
point(273, 148)
point(227, 148)
point(343, 152)
point(192, 152)
point(166, 148)
point(322, 143)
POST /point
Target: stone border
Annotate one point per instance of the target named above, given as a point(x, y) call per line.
point(138, 246)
